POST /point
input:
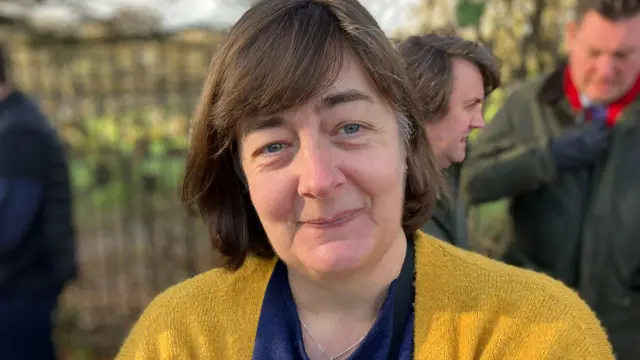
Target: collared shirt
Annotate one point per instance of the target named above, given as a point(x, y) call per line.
point(279, 335)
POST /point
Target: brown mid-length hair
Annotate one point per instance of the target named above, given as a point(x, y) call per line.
point(429, 60)
point(280, 54)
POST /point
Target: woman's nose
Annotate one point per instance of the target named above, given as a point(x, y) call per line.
point(319, 175)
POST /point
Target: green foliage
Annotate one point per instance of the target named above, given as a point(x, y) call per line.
point(469, 13)
point(487, 221)
point(115, 159)
point(493, 104)
point(123, 132)
point(525, 35)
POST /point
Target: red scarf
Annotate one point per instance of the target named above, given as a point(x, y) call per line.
point(613, 109)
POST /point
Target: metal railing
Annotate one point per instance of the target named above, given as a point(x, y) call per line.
point(123, 107)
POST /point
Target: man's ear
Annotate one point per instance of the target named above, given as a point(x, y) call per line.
point(570, 30)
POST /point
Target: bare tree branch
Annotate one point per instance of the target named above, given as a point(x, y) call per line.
point(531, 38)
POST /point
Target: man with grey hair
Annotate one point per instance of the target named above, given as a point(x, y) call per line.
point(564, 150)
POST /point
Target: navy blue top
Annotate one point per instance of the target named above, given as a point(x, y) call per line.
point(23, 169)
point(279, 334)
point(37, 247)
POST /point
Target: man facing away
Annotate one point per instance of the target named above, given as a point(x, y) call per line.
point(37, 251)
point(451, 78)
point(565, 150)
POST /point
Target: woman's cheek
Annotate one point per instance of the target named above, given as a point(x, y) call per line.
point(273, 197)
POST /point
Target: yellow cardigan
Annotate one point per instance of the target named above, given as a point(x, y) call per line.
point(466, 307)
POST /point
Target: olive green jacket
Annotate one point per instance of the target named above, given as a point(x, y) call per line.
point(581, 226)
point(449, 219)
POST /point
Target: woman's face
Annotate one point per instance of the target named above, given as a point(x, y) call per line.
point(327, 178)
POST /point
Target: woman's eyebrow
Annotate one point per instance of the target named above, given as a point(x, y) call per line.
point(342, 97)
point(328, 102)
point(262, 124)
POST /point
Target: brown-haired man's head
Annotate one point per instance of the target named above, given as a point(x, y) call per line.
point(451, 77)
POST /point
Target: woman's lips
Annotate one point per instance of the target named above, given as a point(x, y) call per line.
point(335, 221)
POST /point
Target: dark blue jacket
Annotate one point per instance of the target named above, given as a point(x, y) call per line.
point(37, 243)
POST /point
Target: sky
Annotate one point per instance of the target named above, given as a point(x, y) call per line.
point(391, 14)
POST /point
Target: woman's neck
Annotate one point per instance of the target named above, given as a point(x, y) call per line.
point(356, 296)
point(338, 312)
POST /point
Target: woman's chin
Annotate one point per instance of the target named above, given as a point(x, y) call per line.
point(336, 257)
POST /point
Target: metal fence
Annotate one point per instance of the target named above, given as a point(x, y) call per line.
point(123, 107)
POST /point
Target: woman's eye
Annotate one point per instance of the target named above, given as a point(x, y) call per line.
point(351, 129)
point(273, 148)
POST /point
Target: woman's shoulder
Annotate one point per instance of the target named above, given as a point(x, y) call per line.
point(206, 305)
point(219, 285)
point(485, 282)
point(480, 273)
point(520, 302)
